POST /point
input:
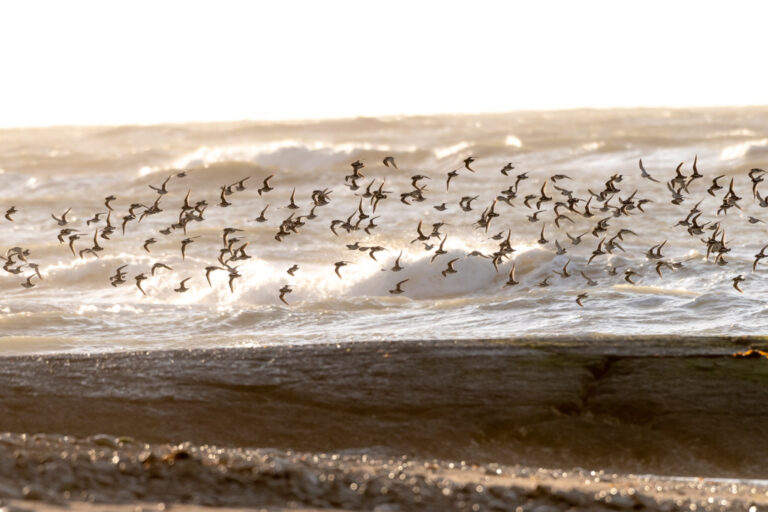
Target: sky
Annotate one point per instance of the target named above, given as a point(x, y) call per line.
point(96, 62)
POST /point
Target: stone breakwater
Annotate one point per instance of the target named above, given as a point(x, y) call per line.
point(653, 405)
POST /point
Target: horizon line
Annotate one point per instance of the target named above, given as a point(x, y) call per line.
point(299, 120)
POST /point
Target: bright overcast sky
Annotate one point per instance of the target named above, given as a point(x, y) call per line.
point(107, 62)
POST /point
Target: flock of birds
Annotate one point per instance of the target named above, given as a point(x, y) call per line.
point(549, 202)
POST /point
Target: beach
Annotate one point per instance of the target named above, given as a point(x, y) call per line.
point(331, 425)
point(246, 314)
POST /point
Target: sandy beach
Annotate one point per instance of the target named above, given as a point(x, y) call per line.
point(427, 425)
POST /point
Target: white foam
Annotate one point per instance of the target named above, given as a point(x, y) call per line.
point(291, 153)
point(742, 149)
point(443, 152)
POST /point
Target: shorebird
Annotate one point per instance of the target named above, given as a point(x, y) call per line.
point(148, 242)
point(61, 221)
point(182, 286)
point(158, 266)
point(286, 289)
point(628, 275)
point(119, 277)
point(663, 263)
point(736, 280)
point(590, 281)
point(575, 240)
point(511, 278)
point(468, 161)
point(261, 217)
point(224, 203)
point(396, 267)
point(451, 175)
point(759, 256)
point(389, 160)
point(564, 274)
point(184, 244)
point(338, 265)
point(139, 278)
point(449, 269)
point(440, 250)
point(240, 185)
point(72, 239)
point(208, 271)
point(291, 271)
point(292, 204)
point(95, 219)
point(644, 173)
point(10, 211)
point(541, 239)
point(580, 297)
point(398, 290)
point(233, 274)
point(162, 189)
point(265, 187)
point(36, 268)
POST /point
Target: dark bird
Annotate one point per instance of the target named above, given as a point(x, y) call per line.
point(261, 217)
point(396, 267)
point(10, 211)
point(714, 187)
point(451, 175)
point(266, 188)
point(398, 290)
point(389, 160)
point(449, 269)
point(148, 242)
point(511, 278)
point(240, 185)
point(628, 275)
point(292, 204)
point(184, 244)
point(338, 265)
point(736, 280)
point(158, 266)
point(208, 271)
point(505, 170)
point(139, 278)
point(468, 161)
point(285, 290)
point(759, 256)
point(182, 286)
point(224, 203)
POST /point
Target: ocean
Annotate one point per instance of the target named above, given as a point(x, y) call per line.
point(73, 306)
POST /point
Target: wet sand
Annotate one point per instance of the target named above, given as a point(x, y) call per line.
point(260, 424)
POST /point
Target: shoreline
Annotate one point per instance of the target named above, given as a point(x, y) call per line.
point(267, 426)
point(107, 473)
